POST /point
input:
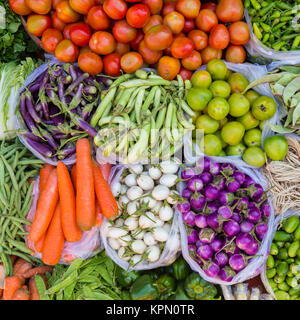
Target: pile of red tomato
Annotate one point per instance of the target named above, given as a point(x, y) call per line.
point(113, 35)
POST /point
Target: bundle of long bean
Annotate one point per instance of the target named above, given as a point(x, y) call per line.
point(17, 167)
point(142, 115)
point(56, 109)
point(275, 23)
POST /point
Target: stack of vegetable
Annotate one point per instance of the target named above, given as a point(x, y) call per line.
point(225, 213)
point(17, 169)
point(145, 197)
point(241, 292)
point(274, 23)
point(66, 208)
point(119, 34)
point(141, 116)
point(283, 264)
point(285, 84)
point(21, 285)
point(230, 115)
point(55, 110)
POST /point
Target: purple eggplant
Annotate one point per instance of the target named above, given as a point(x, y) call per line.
point(211, 207)
point(76, 83)
point(189, 218)
point(30, 108)
point(226, 274)
point(265, 208)
point(211, 192)
point(255, 191)
point(214, 168)
point(253, 215)
point(214, 221)
point(248, 181)
point(205, 252)
point(197, 201)
point(186, 193)
point(238, 262)
point(217, 244)
point(192, 236)
point(211, 269)
point(192, 248)
point(201, 221)
point(221, 258)
point(253, 248)
point(206, 177)
point(243, 240)
point(183, 206)
point(195, 184)
point(225, 197)
point(246, 226)
point(239, 176)
point(225, 212)
point(261, 229)
point(231, 228)
point(207, 235)
point(236, 217)
point(232, 185)
point(188, 173)
point(41, 148)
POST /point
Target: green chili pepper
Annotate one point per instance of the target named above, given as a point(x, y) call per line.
point(295, 44)
point(247, 4)
point(251, 12)
point(257, 31)
point(265, 27)
point(255, 4)
point(266, 9)
point(283, 5)
point(266, 38)
point(275, 15)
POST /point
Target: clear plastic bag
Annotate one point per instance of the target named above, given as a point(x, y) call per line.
point(259, 53)
point(277, 222)
point(88, 246)
point(256, 265)
point(167, 256)
point(251, 72)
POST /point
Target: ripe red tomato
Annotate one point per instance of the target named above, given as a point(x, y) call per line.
point(82, 6)
point(115, 9)
point(189, 8)
point(19, 7)
point(131, 61)
point(66, 13)
point(56, 22)
point(239, 33)
point(98, 19)
point(175, 21)
point(152, 21)
point(66, 51)
point(55, 3)
point(90, 62)
point(112, 64)
point(148, 55)
point(210, 53)
point(85, 49)
point(189, 25)
point(39, 6)
point(80, 34)
point(182, 47)
point(50, 39)
point(158, 38)
point(209, 5)
point(155, 6)
point(138, 15)
point(199, 38)
point(102, 42)
point(168, 7)
point(219, 37)
point(193, 61)
point(168, 67)
point(37, 24)
point(185, 74)
point(133, 1)
point(123, 32)
point(235, 54)
point(206, 20)
point(122, 48)
point(66, 31)
point(136, 42)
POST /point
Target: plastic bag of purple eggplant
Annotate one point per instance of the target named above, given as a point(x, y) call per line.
point(57, 101)
point(86, 247)
point(226, 219)
point(277, 222)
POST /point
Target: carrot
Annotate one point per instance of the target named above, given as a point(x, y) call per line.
point(44, 175)
point(105, 170)
point(72, 233)
point(45, 208)
point(54, 242)
point(21, 294)
point(73, 176)
point(107, 202)
point(38, 245)
point(99, 215)
point(85, 192)
point(11, 285)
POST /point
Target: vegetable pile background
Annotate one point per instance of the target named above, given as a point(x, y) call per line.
point(90, 89)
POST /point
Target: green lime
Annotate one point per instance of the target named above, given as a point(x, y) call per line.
point(252, 95)
point(276, 147)
point(248, 121)
point(252, 138)
point(207, 124)
point(232, 132)
point(263, 108)
point(217, 69)
point(238, 82)
point(254, 156)
point(220, 88)
point(211, 145)
point(218, 108)
point(201, 79)
point(239, 105)
point(236, 150)
point(198, 98)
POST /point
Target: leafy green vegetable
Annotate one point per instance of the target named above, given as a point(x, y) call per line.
point(15, 43)
point(12, 76)
point(93, 279)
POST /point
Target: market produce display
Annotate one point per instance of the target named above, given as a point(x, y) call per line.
point(142, 116)
point(273, 23)
point(116, 34)
point(145, 197)
point(230, 115)
point(107, 192)
point(226, 217)
point(283, 264)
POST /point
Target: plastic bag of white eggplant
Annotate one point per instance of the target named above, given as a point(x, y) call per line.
point(145, 233)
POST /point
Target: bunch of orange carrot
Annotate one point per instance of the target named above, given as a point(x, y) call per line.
point(70, 203)
point(21, 285)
